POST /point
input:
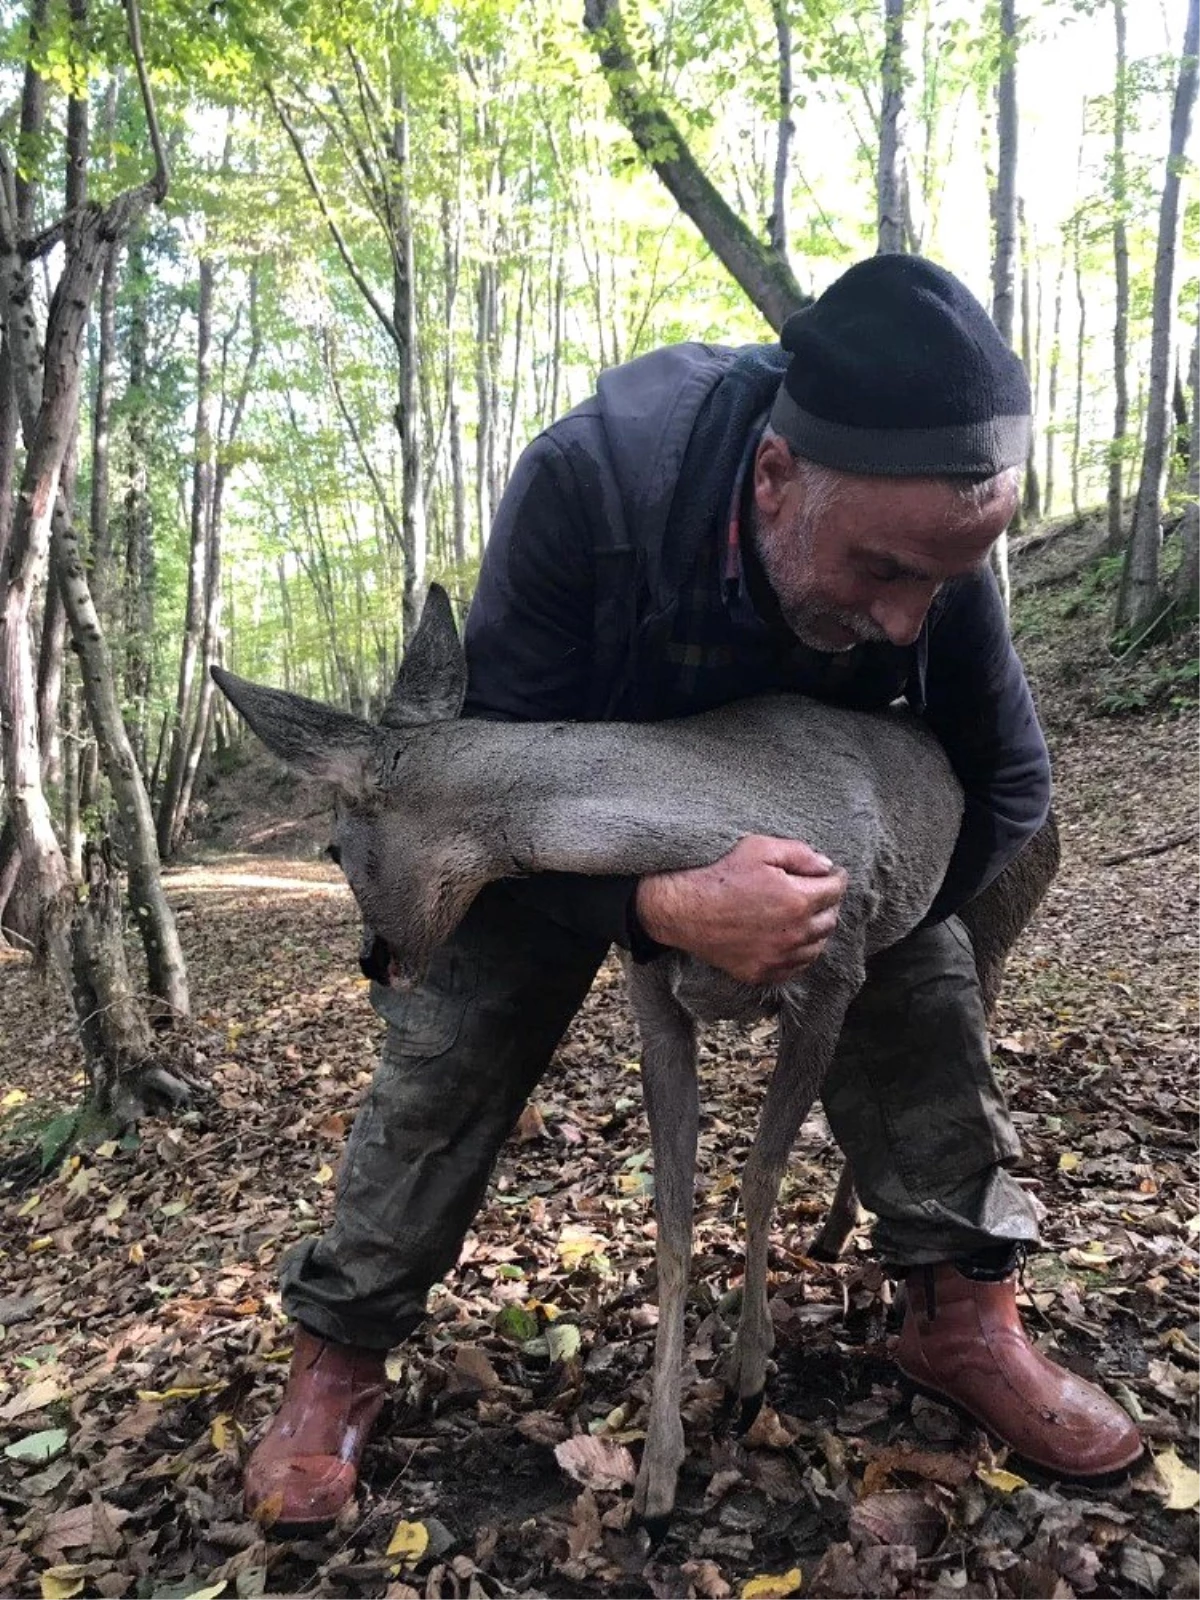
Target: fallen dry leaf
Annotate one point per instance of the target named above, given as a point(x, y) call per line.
point(1182, 1482)
point(768, 1585)
point(899, 1517)
point(596, 1462)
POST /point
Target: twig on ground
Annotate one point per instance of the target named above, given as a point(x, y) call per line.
point(1172, 842)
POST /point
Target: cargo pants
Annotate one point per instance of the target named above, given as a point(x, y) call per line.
point(910, 1097)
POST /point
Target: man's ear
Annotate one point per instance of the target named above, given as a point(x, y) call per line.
point(431, 684)
point(774, 474)
point(313, 738)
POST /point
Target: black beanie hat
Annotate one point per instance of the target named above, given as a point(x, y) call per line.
point(898, 371)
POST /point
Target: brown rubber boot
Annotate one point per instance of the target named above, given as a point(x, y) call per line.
point(962, 1338)
point(305, 1469)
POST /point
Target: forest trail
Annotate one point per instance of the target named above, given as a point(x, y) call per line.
point(144, 1344)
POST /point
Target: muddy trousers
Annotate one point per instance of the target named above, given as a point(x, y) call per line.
point(910, 1097)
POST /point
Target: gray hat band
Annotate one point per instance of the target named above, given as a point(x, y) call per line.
point(976, 449)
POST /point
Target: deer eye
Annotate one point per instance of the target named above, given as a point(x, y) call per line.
point(334, 853)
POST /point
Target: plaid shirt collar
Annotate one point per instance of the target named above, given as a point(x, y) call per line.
point(733, 585)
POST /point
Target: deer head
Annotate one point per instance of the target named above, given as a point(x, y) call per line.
point(409, 858)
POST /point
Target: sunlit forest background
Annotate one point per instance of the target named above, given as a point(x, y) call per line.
point(286, 288)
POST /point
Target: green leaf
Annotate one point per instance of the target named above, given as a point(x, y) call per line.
point(38, 1447)
point(563, 1340)
point(56, 1138)
point(517, 1324)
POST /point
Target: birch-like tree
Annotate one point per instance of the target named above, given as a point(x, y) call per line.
point(1140, 602)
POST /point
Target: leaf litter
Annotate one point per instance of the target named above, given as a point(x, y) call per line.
point(143, 1348)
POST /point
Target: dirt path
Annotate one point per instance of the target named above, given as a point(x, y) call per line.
point(142, 1334)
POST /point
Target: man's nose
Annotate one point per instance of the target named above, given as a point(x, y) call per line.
point(901, 617)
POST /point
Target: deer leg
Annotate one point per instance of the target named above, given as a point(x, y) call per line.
point(845, 1214)
point(672, 1106)
point(806, 1045)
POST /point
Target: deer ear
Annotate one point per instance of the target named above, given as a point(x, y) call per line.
point(316, 739)
point(431, 684)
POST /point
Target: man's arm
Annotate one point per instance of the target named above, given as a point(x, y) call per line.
point(978, 703)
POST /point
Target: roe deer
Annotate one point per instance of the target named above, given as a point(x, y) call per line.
point(432, 807)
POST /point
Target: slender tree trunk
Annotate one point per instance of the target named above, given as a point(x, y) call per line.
point(138, 552)
point(1080, 352)
point(1004, 201)
point(50, 678)
point(777, 223)
point(1140, 599)
point(212, 576)
point(9, 424)
point(485, 427)
point(72, 829)
point(1187, 578)
point(889, 177)
point(404, 319)
point(100, 531)
point(1181, 455)
point(198, 563)
point(1031, 501)
point(1004, 258)
point(1116, 459)
point(1052, 379)
point(514, 388)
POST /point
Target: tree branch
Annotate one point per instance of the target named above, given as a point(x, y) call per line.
point(318, 194)
point(766, 278)
point(162, 172)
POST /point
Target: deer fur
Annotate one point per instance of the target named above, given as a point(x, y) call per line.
point(430, 808)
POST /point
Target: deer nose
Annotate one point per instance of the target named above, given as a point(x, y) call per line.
point(374, 959)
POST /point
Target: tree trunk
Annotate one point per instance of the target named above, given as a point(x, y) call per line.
point(50, 677)
point(1116, 459)
point(72, 827)
point(1031, 500)
point(485, 427)
point(1140, 600)
point(100, 531)
point(1182, 454)
point(198, 564)
point(138, 577)
point(1004, 210)
point(404, 319)
point(889, 177)
point(1052, 380)
point(1004, 258)
point(777, 222)
point(767, 279)
point(47, 392)
point(1187, 578)
point(1080, 350)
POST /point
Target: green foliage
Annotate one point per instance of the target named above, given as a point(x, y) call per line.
point(1174, 686)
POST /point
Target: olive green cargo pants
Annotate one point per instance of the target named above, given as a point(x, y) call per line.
point(910, 1097)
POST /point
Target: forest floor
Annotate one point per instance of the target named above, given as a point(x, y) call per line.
point(142, 1345)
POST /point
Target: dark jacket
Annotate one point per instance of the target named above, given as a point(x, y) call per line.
point(614, 519)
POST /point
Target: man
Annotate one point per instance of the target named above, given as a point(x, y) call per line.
point(816, 516)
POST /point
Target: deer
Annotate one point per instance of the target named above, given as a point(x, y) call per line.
point(431, 807)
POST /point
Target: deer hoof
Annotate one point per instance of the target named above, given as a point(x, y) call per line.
point(751, 1405)
point(657, 1528)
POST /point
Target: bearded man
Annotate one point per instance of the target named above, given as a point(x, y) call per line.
point(814, 516)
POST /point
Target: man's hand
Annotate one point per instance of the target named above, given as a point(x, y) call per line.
point(762, 913)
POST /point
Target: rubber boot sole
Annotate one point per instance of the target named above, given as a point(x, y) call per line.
point(1098, 1480)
